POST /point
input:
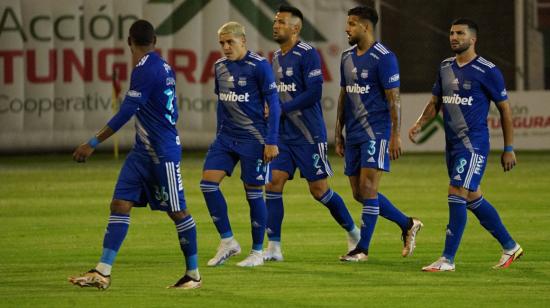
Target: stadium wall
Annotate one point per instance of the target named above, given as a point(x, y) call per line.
point(57, 59)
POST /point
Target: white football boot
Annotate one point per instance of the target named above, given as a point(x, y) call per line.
point(255, 258)
point(441, 265)
point(226, 249)
point(273, 252)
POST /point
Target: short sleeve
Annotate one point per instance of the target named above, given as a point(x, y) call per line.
point(494, 84)
point(141, 85)
point(266, 79)
point(436, 89)
point(312, 68)
point(388, 71)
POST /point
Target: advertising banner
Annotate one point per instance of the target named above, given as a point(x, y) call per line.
point(58, 60)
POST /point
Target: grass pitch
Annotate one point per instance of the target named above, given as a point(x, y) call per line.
point(53, 213)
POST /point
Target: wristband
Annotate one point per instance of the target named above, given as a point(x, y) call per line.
point(508, 148)
point(94, 142)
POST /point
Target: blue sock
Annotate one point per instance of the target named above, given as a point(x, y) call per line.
point(217, 207)
point(337, 209)
point(490, 220)
point(275, 214)
point(114, 236)
point(390, 212)
point(457, 222)
point(187, 235)
point(258, 216)
point(371, 210)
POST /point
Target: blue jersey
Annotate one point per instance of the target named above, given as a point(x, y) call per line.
point(242, 87)
point(364, 79)
point(295, 72)
point(465, 93)
point(153, 89)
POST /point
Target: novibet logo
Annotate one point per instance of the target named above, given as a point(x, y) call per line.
point(429, 129)
point(254, 14)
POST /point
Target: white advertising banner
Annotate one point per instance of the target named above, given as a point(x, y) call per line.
point(57, 59)
point(530, 119)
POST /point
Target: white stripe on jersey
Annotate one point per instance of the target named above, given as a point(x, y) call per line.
point(172, 186)
point(485, 62)
point(221, 60)
point(143, 60)
point(323, 152)
point(304, 46)
point(381, 48)
point(381, 155)
point(267, 174)
point(256, 56)
point(471, 168)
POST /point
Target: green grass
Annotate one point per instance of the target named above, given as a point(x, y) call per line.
point(53, 213)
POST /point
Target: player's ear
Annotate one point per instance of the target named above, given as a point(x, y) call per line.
point(129, 40)
point(154, 40)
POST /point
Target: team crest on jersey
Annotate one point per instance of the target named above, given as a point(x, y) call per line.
point(364, 74)
point(289, 72)
point(467, 85)
point(242, 81)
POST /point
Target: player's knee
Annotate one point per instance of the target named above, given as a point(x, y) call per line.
point(317, 192)
point(176, 216)
point(318, 188)
point(358, 197)
point(275, 186)
point(368, 191)
point(121, 207)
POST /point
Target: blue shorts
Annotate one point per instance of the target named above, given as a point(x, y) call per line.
point(310, 159)
point(369, 154)
point(466, 168)
point(224, 154)
point(142, 181)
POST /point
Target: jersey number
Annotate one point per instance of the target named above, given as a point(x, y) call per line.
point(372, 149)
point(161, 194)
point(170, 106)
point(316, 158)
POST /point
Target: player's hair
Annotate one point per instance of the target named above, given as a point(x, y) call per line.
point(232, 27)
point(365, 13)
point(468, 22)
point(292, 10)
point(142, 33)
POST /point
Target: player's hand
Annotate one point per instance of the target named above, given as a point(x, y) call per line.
point(508, 160)
point(82, 152)
point(339, 146)
point(413, 132)
point(270, 152)
point(395, 147)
